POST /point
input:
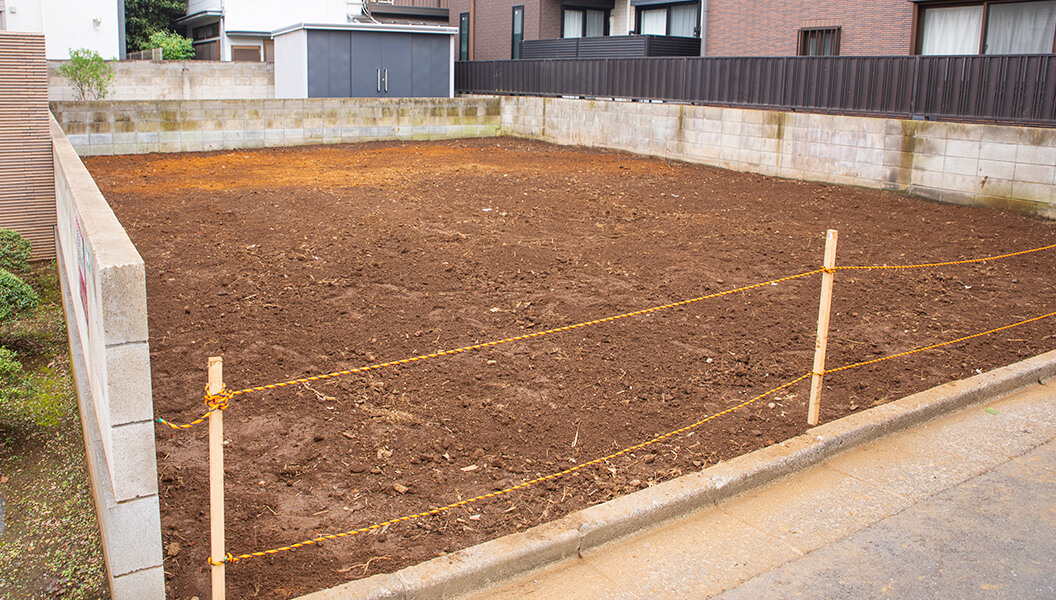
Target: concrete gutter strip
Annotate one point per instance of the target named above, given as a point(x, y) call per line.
point(483, 565)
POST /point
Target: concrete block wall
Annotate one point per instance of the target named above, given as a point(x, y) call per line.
point(104, 298)
point(177, 80)
point(992, 165)
point(104, 128)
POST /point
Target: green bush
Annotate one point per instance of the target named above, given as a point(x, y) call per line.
point(13, 381)
point(88, 74)
point(16, 297)
point(14, 252)
point(173, 45)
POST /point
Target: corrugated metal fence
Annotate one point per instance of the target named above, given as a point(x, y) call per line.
point(27, 178)
point(1018, 89)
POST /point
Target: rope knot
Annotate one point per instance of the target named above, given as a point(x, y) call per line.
point(228, 558)
point(218, 401)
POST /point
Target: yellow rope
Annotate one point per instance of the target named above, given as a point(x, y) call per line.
point(232, 558)
point(521, 486)
point(215, 402)
point(945, 264)
point(939, 345)
point(304, 380)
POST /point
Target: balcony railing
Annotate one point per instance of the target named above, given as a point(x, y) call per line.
point(397, 5)
point(621, 46)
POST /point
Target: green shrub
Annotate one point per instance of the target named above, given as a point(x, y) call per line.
point(14, 252)
point(88, 74)
point(14, 385)
point(16, 297)
point(173, 45)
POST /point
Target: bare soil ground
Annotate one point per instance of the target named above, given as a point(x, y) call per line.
point(293, 262)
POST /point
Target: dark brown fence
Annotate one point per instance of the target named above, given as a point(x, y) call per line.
point(611, 46)
point(1018, 89)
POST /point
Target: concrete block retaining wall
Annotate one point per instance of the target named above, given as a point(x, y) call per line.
point(104, 298)
point(177, 80)
point(101, 128)
point(993, 165)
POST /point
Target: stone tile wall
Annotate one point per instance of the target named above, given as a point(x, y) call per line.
point(105, 302)
point(102, 128)
point(990, 165)
point(177, 80)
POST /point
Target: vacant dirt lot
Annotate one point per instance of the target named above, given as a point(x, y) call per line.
point(294, 262)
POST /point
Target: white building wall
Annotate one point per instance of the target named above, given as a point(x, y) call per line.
point(266, 16)
point(67, 24)
point(291, 56)
point(197, 6)
point(269, 15)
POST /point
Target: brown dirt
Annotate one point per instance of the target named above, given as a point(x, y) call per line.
point(290, 262)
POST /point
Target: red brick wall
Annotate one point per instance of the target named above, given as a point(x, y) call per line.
point(493, 29)
point(771, 27)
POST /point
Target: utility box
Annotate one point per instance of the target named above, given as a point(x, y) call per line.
point(365, 60)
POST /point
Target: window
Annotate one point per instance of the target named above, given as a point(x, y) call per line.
point(245, 53)
point(463, 36)
point(990, 27)
point(679, 20)
point(584, 22)
point(819, 42)
point(1021, 28)
point(205, 32)
point(518, 32)
point(953, 30)
point(3, 15)
point(207, 50)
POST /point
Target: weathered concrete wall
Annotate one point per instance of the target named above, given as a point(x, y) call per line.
point(104, 298)
point(989, 165)
point(101, 128)
point(992, 165)
point(177, 80)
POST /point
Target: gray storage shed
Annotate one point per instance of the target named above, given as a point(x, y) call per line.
point(364, 60)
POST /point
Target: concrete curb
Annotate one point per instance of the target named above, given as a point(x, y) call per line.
point(476, 568)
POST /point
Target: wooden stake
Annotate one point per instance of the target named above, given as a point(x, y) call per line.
point(216, 479)
point(827, 278)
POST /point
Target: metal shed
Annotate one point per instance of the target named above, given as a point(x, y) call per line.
point(364, 60)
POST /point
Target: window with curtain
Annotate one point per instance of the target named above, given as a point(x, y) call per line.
point(1021, 28)
point(518, 32)
point(585, 22)
point(573, 24)
point(685, 20)
point(595, 23)
point(654, 22)
point(953, 30)
point(676, 19)
point(992, 26)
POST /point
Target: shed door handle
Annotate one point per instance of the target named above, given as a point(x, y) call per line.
point(386, 81)
point(379, 80)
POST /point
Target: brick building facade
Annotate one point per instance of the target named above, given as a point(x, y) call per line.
point(491, 24)
point(772, 27)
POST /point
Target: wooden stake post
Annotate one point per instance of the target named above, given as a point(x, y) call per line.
point(827, 278)
point(216, 479)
